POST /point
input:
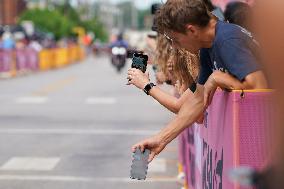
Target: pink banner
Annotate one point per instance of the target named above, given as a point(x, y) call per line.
point(21, 60)
point(32, 59)
point(6, 59)
point(234, 133)
point(26, 59)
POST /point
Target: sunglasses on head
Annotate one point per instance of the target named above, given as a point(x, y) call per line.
point(170, 40)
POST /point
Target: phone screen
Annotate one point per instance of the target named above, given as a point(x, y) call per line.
point(139, 61)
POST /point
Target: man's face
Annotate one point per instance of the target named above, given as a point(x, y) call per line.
point(188, 41)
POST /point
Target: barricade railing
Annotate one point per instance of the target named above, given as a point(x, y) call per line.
point(236, 132)
point(27, 59)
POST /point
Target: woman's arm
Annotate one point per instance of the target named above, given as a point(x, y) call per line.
point(168, 101)
point(140, 80)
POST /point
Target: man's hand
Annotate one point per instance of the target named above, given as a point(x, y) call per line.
point(138, 78)
point(200, 120)
point(209, 89)
point(155, 144)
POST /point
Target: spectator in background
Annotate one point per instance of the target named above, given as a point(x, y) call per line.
point(8, 41)
point(216, 11)
point(119, 42)
point(239, 13)
point(20, 40)
point(34, 44)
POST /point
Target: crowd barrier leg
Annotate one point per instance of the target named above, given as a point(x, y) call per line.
point(13, 67)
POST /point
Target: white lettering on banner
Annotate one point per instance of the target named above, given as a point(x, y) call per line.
point(198, 147)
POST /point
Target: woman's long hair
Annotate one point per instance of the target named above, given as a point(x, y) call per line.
point(185, 64)
point(163, 52)
point(186, 67)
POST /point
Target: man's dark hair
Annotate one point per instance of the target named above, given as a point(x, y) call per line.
point(176, 14)
point(239, 13)
point(209, 5)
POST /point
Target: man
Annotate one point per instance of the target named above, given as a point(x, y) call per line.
point(119, 42)
point(239, 13)
point(227, 55)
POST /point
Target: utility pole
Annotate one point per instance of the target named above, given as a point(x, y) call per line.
point(120, 19)
point(134, 16)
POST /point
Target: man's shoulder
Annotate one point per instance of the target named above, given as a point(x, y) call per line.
point(205, 53)
point(205, 56)
point(227, 31)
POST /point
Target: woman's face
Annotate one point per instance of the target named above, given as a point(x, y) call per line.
point(170, 63)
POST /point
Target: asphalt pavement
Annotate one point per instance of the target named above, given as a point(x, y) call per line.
point(73, 128)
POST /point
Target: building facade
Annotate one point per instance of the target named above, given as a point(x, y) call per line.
point(10, 10)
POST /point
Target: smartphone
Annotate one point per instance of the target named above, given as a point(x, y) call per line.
point(139, 61)
point(139, 165)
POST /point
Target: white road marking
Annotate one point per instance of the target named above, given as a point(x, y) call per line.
point(6, 95)
point(158, 165)
point(79, 131)
point(101, 100)
point(31, 100)
point(83, 179)
point(30, 164)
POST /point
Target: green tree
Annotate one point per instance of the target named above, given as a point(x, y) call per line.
point(142, 14)
point(62, 20)
point(91, 25)
point(49, 21)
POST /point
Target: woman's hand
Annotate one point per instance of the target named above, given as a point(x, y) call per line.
point(138, 78)
point(209, 90)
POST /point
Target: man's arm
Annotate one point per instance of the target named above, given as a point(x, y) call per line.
point(188, 114)
point(190, 111)
point(242, 62)
point(255, 80)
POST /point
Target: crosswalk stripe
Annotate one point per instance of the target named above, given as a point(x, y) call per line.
point(100, 100)
point(31, 100)
point(30, 164)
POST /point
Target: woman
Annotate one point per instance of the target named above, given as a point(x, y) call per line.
point(183, 63)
